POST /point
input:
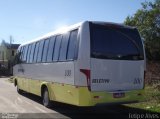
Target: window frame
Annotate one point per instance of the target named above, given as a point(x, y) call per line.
point(35, 53)
point(52, 50)
point(65, 37)
point(32, 53)
point(28, 54)
point(55, 55)
point(58, 52)
point(45, 41)
point(76, 46)
point(39, 56)
point(21, 53)
point(25, 53)
point(127, 38)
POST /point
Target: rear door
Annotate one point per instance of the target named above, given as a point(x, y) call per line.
point(117, 58)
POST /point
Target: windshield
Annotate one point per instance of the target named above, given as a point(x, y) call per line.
point(115, 43)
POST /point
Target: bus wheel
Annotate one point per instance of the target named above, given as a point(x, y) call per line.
point(45, 97)
point(19, 90)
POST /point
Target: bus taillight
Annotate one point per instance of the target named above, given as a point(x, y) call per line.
point(144, 79)
point(87, 73)
point(144, 75)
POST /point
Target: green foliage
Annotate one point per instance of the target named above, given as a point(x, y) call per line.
point(152, 99)
point(147, 20)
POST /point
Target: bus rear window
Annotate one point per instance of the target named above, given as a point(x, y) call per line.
point(115, 43)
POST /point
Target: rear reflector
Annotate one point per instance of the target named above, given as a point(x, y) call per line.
point(76, 86)
point(139, 94)
point(144, 75)
point(144, 79)
point(96, 97)
point(86, 72)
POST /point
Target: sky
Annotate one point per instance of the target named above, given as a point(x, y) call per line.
point(26, 20)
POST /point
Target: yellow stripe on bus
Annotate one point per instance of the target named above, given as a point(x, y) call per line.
point(74, 95)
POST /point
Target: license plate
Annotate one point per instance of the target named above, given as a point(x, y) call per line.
point(118, 95)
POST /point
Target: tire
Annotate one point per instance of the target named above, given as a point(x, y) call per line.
point(19, 90)
point(45, 98)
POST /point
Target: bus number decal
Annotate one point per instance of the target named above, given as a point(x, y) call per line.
point(67, 72)
point(21, 70)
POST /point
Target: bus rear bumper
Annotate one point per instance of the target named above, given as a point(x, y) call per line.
point(87, 98)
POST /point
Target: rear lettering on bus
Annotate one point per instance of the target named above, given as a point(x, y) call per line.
point(100, 81)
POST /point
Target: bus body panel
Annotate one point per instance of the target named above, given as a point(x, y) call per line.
point(60, 72)
point(116, 75)
point(83, 61)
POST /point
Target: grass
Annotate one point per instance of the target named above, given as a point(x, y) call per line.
point(152, 99)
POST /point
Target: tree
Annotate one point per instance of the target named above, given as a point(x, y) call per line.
point(147, 20)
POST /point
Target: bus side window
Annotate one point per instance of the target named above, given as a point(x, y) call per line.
point(63, 47)
point(57, 48)
point(72, 45)
point(51, 48)
point(39, 58)
point(21, 54)
point(36, 52)
point(24, 47)
point(32, 53)
point(16, 59)
point(25, 53)
point(45, 50)
point(28, 54)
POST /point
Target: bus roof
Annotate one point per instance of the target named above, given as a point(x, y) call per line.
point(59, 31)
point(113, 24)
point(72, 27)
